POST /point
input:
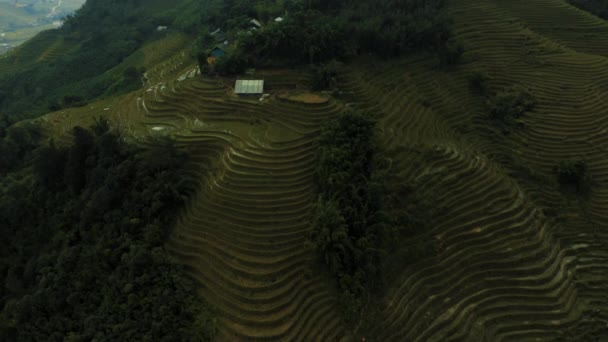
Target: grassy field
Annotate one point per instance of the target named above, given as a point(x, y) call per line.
point(515, 259)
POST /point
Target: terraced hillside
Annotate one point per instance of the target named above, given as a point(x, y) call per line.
point(515, 259)
point(244, 235)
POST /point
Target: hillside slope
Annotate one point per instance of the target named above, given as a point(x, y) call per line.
point(515, 258)
point(22, 20)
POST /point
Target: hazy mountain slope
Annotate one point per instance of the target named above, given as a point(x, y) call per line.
point(21, 20)
point(75, 64)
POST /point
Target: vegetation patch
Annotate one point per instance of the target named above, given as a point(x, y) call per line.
point(349, 230)
point(325, 76)
point(596, 7)
point(316, 32)
point(508, 105)
point(83, 229)
point(574, 176)
point(478, 82)
point(450, 53)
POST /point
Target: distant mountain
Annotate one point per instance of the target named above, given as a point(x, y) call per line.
point(22, 19)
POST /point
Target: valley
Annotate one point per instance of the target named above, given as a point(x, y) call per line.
point(22, 20)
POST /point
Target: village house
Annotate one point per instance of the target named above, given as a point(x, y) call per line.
point(218, 36)
point(215, 54)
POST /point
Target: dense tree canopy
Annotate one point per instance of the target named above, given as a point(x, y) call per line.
point(82, 232)
point(574, 175)
point(597, 7)
point(349, 230)
point(319, 31)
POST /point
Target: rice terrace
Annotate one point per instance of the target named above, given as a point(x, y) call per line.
point(451, 185)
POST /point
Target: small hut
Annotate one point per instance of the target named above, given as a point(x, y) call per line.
point(249, 87)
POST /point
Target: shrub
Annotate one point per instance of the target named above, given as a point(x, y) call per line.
point(349, 231)
point(324, 77)
point(574, 174)
point(510, 104)
point(451, 53)
point(478, 82)
point(231, 64)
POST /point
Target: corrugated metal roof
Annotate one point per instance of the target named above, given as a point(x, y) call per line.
point(218, 52)
point(249, 87)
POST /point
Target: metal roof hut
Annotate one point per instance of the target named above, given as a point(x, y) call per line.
point(215, 54)
point(256, 23)
point(249, 87)
point(218, 35)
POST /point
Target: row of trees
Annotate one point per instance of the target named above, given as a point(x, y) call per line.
point(349, 230)
point(82, 230)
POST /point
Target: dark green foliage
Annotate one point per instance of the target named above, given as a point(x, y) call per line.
point(320, 31)
point(325, 76)
point(574, 175)
point(510, 104)
point(304, 37)
point(230, 64)
point(450, 53)
point(478, 82)
point(101, 35)
point(132, 80)
point(597, 7)
point(16, 145)
point(82, 232)
point(349, 230)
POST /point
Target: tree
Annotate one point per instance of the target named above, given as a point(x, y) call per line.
point(348, 228)
point(233, 63)
point(450, 53)
point(478, 82)
point(90, 264)
point(510, 104)
point(324, 77)
point(574, 174)
point(75, 175)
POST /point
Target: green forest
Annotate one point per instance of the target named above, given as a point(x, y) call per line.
point(321, 31)
point(83, 228)
point(350, 232)
point(597, 7)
